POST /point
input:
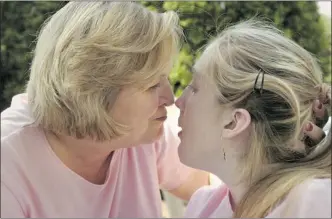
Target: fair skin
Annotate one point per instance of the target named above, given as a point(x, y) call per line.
point(144, 111)
point(209, 130)
point(212, 127)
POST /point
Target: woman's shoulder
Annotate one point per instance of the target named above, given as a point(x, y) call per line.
point(20, 153)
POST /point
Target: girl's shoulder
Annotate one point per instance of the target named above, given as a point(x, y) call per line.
point(310, 199)
point(205, 200)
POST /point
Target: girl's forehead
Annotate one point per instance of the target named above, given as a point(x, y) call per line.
point(196, 72)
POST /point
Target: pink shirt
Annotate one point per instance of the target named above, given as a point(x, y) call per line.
point(311, 199)
point(35, 183)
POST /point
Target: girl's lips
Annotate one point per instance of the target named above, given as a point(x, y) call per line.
point(180, 133)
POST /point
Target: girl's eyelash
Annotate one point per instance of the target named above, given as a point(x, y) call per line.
point(192, 88)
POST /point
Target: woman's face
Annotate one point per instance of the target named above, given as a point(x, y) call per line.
point(143, 111)
point(200, 121)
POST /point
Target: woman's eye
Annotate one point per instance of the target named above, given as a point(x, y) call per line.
point(155, 86)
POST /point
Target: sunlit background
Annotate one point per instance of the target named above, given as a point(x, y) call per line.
point(325, 7)
point(306, 22)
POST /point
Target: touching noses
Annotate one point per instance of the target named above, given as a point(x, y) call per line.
point(166, 96)
point(179, 103)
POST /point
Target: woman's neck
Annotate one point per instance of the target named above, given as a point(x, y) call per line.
point(87, 158)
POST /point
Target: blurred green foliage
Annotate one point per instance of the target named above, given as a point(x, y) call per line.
point(20, 22)
point(203, 20)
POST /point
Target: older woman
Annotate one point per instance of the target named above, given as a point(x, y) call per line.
point(88, 139)
point(252, 92)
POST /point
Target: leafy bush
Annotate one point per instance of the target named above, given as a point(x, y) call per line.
point(20, 22)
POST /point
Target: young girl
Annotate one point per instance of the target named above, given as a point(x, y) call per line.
point(252, 93)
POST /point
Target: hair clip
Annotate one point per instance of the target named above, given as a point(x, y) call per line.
point(260, 90)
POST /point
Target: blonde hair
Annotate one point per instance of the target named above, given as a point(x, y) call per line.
point(292, 81)
point(86, 52)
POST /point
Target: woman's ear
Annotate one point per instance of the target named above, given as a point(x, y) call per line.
point(239, 122)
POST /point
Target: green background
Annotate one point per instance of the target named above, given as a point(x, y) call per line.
point(301, 21)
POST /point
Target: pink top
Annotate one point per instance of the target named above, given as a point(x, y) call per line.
point(311, 199)
point(35, 183)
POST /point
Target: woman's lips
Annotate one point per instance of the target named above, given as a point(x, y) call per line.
point(162, 118)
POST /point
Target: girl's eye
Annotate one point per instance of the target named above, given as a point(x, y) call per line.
point(192, 88)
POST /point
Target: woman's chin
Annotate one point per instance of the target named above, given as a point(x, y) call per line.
point(153, 134)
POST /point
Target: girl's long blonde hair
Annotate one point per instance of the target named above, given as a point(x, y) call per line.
point(292, 82)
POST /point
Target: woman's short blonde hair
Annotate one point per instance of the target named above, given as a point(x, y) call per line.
point(86, 52)
point(279, 104)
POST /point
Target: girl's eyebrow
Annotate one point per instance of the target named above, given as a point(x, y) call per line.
point(195, 74)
